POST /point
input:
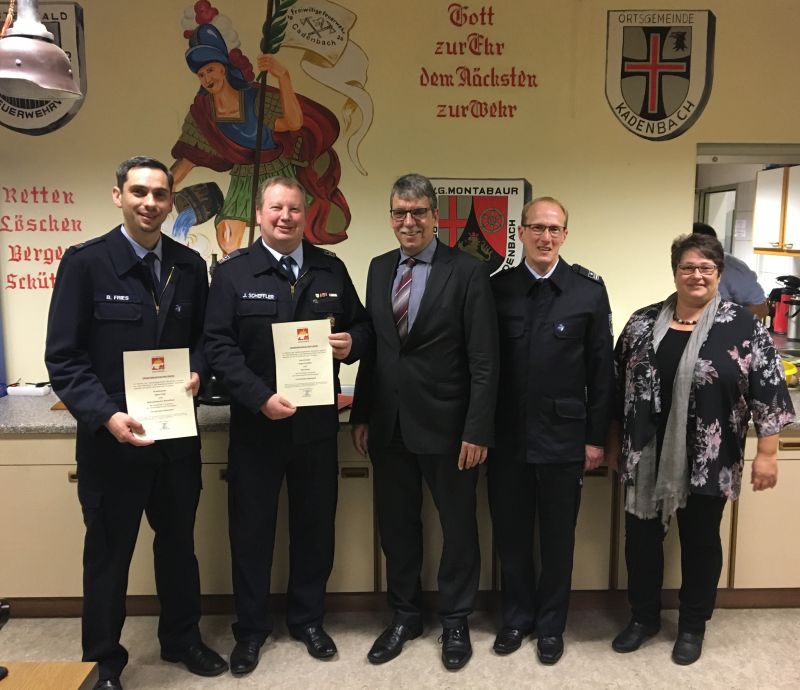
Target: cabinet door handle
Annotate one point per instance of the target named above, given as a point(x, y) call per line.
point(223, 474)
point(788, 245)
point(775, 244)
point(788, 445)
point(72, 476)
point(354, 472)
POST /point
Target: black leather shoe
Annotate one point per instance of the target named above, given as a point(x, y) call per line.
point(108, 684)
point(390, 642)
point(509, 640)
point(456, 647)
point(550, 649)
point(199, 659)
point(244, 657)
point(687, 649)
point(632, 637)
point(318, 643)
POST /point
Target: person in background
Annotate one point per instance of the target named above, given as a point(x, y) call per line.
point(133, 288)
point(277, 279)
point(553, 412)
point(424, 409)
point(739, 283)
point(691, 373)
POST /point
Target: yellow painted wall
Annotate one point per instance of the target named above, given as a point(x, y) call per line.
point(628, 197)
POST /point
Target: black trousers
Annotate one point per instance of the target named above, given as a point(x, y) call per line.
point(255, 477)
point(701, 563)
point(113, 496)
point(519, 494)
point(398, 476)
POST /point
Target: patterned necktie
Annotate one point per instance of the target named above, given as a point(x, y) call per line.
point(149, 260)
point(400, 300)
point(287, 265)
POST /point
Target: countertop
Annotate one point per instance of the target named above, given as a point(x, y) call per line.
point(21, 414)
point(32, 415)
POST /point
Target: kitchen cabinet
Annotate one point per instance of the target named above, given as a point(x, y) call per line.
point(593, 533)
point(776, 216)
point(767, 538)
point(353, 566)
point(791, 226)
point(41, 526)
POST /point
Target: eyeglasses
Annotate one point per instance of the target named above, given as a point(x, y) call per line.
point(689, 269)
point(538, 229)
point(399, 214)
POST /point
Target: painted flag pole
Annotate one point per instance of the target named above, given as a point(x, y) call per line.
point(265, 48)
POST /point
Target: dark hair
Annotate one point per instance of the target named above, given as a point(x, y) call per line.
point(542, 200)
point(414, 186)
point(704, 229)
point(289, 182)
point(142, 162)
point(708, 246)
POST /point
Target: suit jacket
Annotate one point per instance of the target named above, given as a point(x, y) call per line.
point(102, 305)
point(441, 383)
point(556, 366)
point(248, 294)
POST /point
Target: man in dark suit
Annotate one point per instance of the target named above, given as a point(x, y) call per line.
point(131, 289)
point(423, 407)
point(553, 412)
point(280, 278)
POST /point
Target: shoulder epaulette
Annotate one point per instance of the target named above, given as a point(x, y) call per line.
point(233, 255)
point(586, 273)
point(87, 243)
point(327, 251)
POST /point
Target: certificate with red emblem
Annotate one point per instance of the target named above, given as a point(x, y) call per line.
point(155, 391)
point(304, 362)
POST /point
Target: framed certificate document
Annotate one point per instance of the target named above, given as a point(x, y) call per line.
point(304, 362)
point(155, 390)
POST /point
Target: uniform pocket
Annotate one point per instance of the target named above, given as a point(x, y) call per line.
point(254, 307)
point(182, 310)
point(117, 311)
point(330, 305)
point(94, 520)
point(570, 408)
point(570, 328)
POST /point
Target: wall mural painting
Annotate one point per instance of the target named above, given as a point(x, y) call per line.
point(298, 134)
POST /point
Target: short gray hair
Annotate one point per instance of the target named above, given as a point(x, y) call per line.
point(414, 186)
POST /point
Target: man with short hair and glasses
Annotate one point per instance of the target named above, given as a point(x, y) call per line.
point(424, 408)
point(553, 412)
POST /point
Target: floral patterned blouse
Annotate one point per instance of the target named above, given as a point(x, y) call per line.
point(738, 374)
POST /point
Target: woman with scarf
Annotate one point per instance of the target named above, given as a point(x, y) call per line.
point(691, 372)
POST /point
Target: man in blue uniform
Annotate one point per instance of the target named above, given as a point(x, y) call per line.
point(131, 289)
point(280, 278)
point(553, 412)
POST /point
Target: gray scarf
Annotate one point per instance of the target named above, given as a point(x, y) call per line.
point(661, 492)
